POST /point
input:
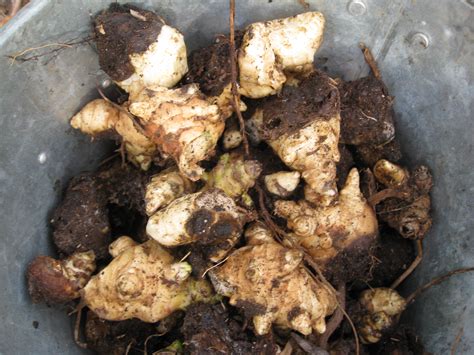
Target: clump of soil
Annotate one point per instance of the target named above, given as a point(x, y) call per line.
point(210, 66)
point(315, 97)
point(209, 329)
point(80, 222)
point(366, 112)
point(123, 30)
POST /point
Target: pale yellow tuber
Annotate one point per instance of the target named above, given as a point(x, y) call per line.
point(282, 183)
point(182, 123)
point(138, 49)
point(233, 175)
point(164, 188)
point(380, 309)
point(302, 126)
point(59, 281)
point(145, 282)
point(209, 218)
point(270, 283)
point(100, 117)
point(272, 50)
point(349, 226)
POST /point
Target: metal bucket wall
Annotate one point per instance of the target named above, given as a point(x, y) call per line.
point(424, 49)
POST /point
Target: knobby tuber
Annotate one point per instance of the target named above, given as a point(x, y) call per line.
point(234, 175)
point(209, 218)
point(164, 188)
point(182, 123)
point(348, 228)
point(269, 282)
point(302, 126)
point(380, 308)
point(143, 281)
point(408, 211)
point(137, 49)
point(274, 50)
point(59, 281)
point(101, 118)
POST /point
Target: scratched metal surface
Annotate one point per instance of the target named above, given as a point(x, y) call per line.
point(424, 49)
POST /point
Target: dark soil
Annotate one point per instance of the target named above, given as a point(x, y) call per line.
point(392, 255)
point(346, 163)
point(210, 66)
point(106, 337)
point(209, 329)
point(125, 34)
point(403, 341)
point(366, 112)
point(368, 154)
point(80, 222)
point(316, 97)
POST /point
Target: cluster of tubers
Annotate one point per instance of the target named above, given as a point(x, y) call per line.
point(200, 231)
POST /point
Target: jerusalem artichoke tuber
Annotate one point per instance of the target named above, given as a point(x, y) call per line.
point(164, 188)
point(339, 233)
point(409, 211)
point(209, 218)
point(182, 123)
point(101, 118)
point(138, 49)
point(380, 310)
point(144, 282)
point(302, 127)
point(271, 285)
point(233, 175)
point(272, 50)
point(59, 281)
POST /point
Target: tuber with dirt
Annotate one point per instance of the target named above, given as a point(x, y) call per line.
point(279, 222)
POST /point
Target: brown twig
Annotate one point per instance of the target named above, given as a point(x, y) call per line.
point(335, 319)
point(370, 60)
point(412, 267)
point(233, 73)
point(456, 341)
point(307, 346)
point(304, 4)
point(15, 6)
point(281, 236)
point(380, 196)
point(77, 327)
point(436, 281)
point(20, 56)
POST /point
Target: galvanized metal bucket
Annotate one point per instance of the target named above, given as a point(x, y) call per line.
point(425, 52)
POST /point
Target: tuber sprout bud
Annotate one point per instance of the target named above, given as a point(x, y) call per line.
point(121, 244)
point(282, 183)
point(390, 174)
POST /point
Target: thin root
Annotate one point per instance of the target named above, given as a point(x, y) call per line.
point(370, 60)
point(436, 281)
point(380, 196)
point(15, 6)
point(412, 267)
point(456, 341)
point(335, 319)
point(214, 266)
point(233, 73)
point(77, 328)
